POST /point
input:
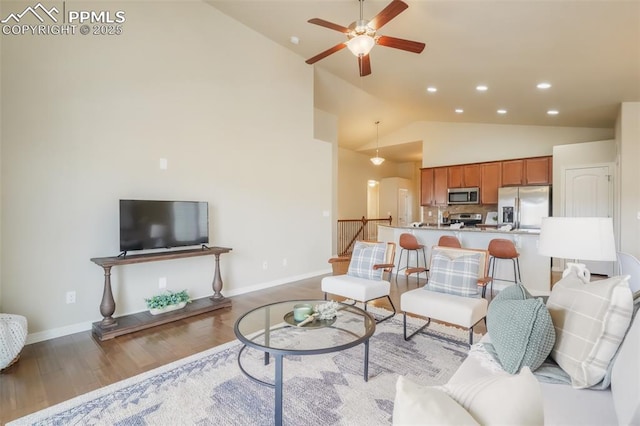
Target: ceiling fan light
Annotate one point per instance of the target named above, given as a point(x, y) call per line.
point(377, 160)
point(361, 45)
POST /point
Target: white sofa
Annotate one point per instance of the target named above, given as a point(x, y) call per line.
point(564, 405)
point(558, 404)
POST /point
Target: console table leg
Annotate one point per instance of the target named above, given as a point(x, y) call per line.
point(217, 280)
point(108, 305)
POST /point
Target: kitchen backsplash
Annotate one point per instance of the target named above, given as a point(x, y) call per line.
point(471, 208)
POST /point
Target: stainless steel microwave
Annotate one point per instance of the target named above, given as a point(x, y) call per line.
point(463, 195)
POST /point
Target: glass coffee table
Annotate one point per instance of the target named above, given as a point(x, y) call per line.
point(273, 330)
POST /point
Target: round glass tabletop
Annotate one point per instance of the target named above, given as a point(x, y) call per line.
point(272, 328)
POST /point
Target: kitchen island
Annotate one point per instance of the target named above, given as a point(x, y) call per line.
point(535, 268)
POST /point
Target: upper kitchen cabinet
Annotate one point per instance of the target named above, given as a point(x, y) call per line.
point(471, 175)
point(433, 186)
point(440, 186)
point(538, 170)
point(491, 180)
point(463, 176)
point(426, 187)
point(527, 171)
point(513, 172)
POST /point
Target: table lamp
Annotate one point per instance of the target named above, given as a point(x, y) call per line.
point(577, 238)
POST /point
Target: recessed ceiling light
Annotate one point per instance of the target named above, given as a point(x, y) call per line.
point(432, 89)
point(459, 110)
point(482, 88)
point(543, 85)
point(553, 112)
point(502, 111)
point(294, 40)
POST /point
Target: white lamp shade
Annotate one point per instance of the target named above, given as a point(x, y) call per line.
point(577, 238)
point(361, 45)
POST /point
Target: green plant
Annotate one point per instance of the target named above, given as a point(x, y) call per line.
point(166, 299)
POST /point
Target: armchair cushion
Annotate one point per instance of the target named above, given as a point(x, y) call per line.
point(454, 275)
point(365, 256)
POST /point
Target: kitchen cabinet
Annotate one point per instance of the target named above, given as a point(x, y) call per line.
point(537, 171)
point(455, 176)
point(490, 181)
point(467, 175)
point(513, 172)
point(527, 171)
point(471, 175)
point(426, 187)
point(440, 186)
point(433, 186)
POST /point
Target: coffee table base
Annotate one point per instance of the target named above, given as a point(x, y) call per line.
point(278, 377)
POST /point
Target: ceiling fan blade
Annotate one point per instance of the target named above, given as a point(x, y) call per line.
point(392, 10)
point(329, 25)
point(364, 65)
point(326, 53)
point(398, 43)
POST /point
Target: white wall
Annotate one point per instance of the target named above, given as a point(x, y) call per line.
point(85, 120)
point(628, 142)
point(462, 143)
point(579, 154)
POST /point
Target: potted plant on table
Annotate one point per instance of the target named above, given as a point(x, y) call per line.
point(167, 302)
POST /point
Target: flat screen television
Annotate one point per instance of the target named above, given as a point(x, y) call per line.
point(148, 224)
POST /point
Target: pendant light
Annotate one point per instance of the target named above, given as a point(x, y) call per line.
point(377, 160)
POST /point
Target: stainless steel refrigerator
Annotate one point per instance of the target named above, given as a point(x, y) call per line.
point(523, 207)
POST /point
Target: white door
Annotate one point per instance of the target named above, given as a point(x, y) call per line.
point(588, 193)
point(404, 216)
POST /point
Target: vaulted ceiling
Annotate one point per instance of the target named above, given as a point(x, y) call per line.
point(589, 51)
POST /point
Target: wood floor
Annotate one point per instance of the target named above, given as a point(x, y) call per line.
point(55, 370)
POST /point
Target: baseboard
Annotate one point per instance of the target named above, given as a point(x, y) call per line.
point(85, 326)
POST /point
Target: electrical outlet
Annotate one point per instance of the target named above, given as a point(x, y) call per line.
point(284, 262)
point(71, 297)
point(162, 282)
point(429, 213)
point(265, 265)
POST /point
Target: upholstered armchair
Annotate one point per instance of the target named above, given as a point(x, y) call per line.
point(364, 278)
point(453, 294)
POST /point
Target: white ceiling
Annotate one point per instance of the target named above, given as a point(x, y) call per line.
point(589, 50)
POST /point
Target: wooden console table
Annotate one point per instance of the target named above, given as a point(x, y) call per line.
point(111, 327)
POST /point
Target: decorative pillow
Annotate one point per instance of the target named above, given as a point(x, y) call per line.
point(513, 292)
point(365, 255)
point(501, 399)
point(424, 405)
point(458, 275)
point(520, 328)
point(590, 320)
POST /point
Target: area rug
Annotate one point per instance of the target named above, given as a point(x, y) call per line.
point(208, 388)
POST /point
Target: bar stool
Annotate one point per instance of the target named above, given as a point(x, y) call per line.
point(409, 243)
point(449, 241)
point(500, 248)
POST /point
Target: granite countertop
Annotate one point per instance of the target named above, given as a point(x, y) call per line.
point(468, 229)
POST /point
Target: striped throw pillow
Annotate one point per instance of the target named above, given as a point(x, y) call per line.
point(365, 255)
point(590, 320)
point(457, 275)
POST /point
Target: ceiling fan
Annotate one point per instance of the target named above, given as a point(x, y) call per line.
point(361, 36)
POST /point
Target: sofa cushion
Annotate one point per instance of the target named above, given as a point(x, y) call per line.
point(625, 375)
point(498, 399)
point(590, 320)
point(365, 255)
point(520, 328)
point(425, 405)
point(454, 275)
